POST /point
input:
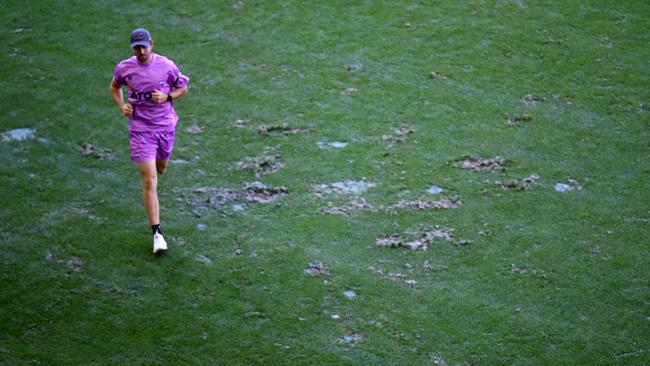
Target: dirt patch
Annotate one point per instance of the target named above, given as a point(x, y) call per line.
point(519, 185)
point(400, 135)
point(76, 263)
point(358, 205)
point(282, 129)
point(355, 207)
point(355, 67)
point(416, 239)
point(447, 202)
point(258, 192)
point(316, 268)
point(515, 120)
point(251, 192)
point(532, 100)
point(479, 164)
point(346, 187)
point(268, 163)
point(97, 153)
point(537, 273)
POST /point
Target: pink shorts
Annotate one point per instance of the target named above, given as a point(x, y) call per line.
point(146, 146)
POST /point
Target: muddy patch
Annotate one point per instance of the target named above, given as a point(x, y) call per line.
point(358, 205)
point(18, 134)
point(316, 268)
point(267, 163)
point(400, 135)
point(515, 120)
point(526, 271)
point(73, 264)
point(532, 100)
point(444, 203)
point(218, 197)
point(76, 264)
point(353, 208)
point(281, 129)
point(354, 67)
point(342, 188)
point(259, 193)
point(519, 185)
point(479, 164)
point(416, 239)
point(96, 152)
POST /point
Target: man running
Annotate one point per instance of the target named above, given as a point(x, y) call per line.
point(154, 83)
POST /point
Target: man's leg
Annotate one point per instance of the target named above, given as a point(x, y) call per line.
point(149, 177)
point(161, 166)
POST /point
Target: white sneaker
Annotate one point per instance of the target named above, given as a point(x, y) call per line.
point(159, 243)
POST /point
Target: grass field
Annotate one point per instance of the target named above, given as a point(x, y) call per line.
point(357, 111)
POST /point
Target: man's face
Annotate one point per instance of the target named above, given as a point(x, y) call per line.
point(143, 53)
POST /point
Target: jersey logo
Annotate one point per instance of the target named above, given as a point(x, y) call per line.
point(141, 95)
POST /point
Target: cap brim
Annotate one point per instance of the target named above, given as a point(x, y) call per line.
point(140, 43)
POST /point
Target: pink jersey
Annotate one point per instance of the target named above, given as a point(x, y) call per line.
point(142, 79)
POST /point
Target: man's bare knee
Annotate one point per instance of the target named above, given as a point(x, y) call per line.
point(149, 184)
point(161, 166)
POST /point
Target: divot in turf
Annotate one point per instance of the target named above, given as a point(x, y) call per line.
point(268, 163)
point(479, 164)
point(97, 153)
point(416, 239)
point(281, 129)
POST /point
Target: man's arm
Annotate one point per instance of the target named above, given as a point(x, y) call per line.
point(118, 97)
point(160, 97)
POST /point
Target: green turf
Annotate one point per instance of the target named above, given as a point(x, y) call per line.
point(550, 278)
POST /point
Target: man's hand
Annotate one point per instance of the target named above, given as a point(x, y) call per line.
point(127, 110)
point(159, 97)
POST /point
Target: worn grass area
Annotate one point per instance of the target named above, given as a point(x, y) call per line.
point(557, 93)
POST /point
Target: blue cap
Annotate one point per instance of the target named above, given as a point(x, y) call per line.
point(140, 37)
